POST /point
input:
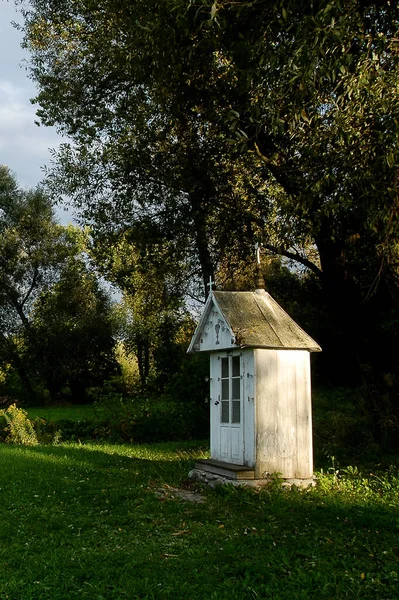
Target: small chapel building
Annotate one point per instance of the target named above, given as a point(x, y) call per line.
point(260, 388)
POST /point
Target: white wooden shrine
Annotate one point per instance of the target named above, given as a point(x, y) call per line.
point(260, 391)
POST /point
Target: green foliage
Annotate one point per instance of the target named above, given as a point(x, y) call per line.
point(73, 345)
point(71, 412)
point(344, 426)
point(173, 402)
point(150, 420)
point(351, 481)
point(19, 429)
point(33, 246)
point(129, 372)
point(122, 419)
point(156, 169)
point(11, 386)
point(32, 249)
point(157, 332)
point(315, 163)
point(178, 375)
point(55, 330)
point(195, 133)
point(150, 318)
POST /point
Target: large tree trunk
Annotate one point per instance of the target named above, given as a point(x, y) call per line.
point(143, 358)
point(344, 329)
point(15, 360)
point(198, 214)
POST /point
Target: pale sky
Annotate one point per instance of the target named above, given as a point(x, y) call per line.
point(24, 147)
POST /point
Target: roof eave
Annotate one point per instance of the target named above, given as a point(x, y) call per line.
point(195, 344)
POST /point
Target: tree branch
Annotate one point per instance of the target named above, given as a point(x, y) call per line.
point(296, 257)
point(12, 297)
point(32, 286)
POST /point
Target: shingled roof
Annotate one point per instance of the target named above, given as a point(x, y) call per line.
point(256, 320)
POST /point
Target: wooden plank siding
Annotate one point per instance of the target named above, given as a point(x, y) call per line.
point(283, 413)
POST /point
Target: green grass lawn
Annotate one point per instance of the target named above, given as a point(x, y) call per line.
point(107, 522)
point(60, 413)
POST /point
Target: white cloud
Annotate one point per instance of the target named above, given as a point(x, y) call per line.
point(24, 147)
point(23, 144)
point(15, 113)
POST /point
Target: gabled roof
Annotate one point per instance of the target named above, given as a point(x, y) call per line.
point(256, 320)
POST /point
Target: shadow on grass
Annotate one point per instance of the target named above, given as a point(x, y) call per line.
point(160, 461)
point(171, 462)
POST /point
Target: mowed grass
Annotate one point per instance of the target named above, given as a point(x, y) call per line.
point(108, 522)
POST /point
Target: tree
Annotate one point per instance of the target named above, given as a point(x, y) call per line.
point(73, 347)
point(32, 248)
point(143, 157)
point(54, 326)
point(153, 278)
point(307, 89)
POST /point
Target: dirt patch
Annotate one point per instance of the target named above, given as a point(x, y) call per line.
point(169, 493)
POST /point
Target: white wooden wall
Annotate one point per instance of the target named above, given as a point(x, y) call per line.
point(283, 413)
point(249, 407)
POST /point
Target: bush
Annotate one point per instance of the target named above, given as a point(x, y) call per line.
point(17, 428)
point(152, 420)
point(342, 425)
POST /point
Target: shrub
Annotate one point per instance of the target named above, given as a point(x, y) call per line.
point(151, 420)
point(342, 425)
point(18, 428)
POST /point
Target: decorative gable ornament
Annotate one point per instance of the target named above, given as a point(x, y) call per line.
point(260, 393)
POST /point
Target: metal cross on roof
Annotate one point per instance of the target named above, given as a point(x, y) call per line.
point(211, 283)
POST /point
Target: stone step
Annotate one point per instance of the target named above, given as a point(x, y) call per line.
point(224, 469)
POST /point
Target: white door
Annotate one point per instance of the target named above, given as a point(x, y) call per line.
point(230, 407)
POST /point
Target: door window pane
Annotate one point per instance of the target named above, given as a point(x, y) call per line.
point(230, 384)
point(236, 366)
point(236, 384)
point(225, 367)
point(236, 416)
point(225, 412)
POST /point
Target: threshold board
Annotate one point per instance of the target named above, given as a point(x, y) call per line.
point(229, 470)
